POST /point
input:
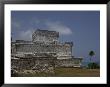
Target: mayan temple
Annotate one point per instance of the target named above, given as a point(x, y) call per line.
point(44, 50)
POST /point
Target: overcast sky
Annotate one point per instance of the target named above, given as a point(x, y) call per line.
point(80, 27)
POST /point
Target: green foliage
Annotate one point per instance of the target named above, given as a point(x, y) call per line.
point(93, 66)
point(91, 53)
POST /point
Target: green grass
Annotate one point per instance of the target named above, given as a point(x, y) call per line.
point(65, 72)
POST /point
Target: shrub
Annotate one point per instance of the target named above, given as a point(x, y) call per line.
point(93, 66)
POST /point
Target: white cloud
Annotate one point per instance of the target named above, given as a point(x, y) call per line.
point(59, 27)
point(26, 35)
point(22, 33)
point(53, 25)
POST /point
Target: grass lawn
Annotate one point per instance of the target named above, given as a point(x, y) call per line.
point(77, 72)
point(66, 72)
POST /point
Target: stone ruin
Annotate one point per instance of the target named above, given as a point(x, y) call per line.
point(42, 54)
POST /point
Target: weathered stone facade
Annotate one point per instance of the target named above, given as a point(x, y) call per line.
point(44, 50)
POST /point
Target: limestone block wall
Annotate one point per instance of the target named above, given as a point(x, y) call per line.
point(20, 64)
point(29, 63)
point(43, 41)
point(34, 48)
point(13, 48)
point(68, 62)
point(62, 50)
point(45, 36)
point(36, 63)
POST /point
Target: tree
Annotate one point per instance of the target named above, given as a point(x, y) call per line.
point(91, 53)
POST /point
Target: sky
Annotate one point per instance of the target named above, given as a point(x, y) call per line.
point(80, 27)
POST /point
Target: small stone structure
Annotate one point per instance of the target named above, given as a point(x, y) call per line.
point(43, 53)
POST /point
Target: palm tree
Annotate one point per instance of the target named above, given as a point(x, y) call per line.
point(91, 53)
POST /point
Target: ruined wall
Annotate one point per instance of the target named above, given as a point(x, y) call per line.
point(75, 62)
point(19, 64)
point(43, 53)
point(45, 36)
point(30, 63)
point(37, 63)
point(13, 48)
point(63, 51)
point(43, 41)
point(35, 48)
